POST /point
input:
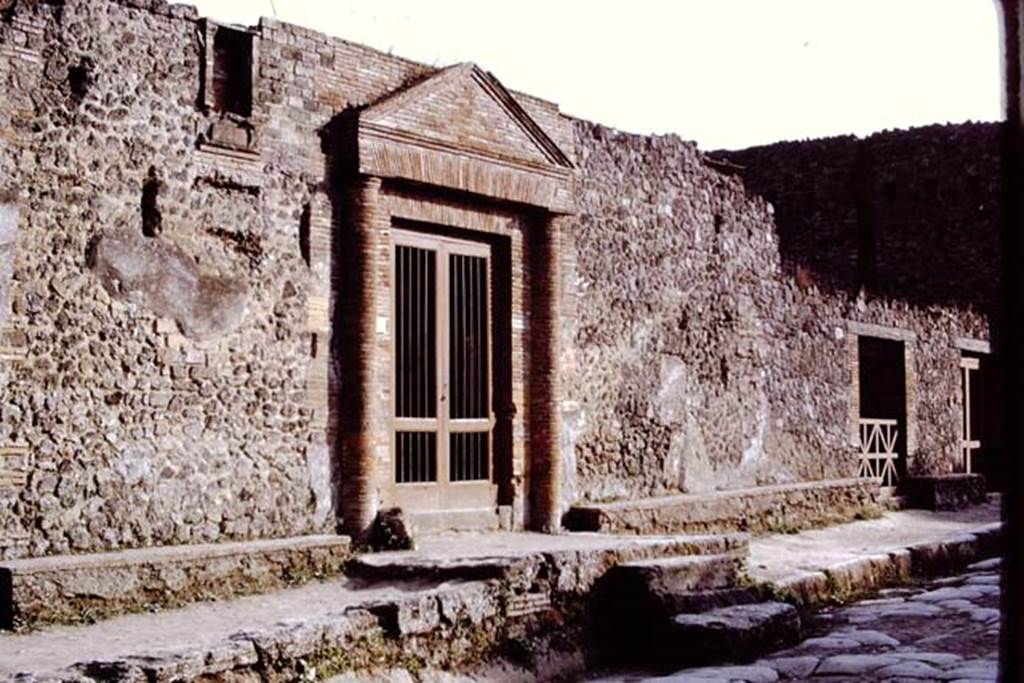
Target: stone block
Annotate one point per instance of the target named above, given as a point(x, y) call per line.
point(739, 632)
point(72, 587)
point(763, 509)
point(680, 574)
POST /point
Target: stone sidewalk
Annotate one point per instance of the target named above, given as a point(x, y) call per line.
point(454, 583)
point(820, 565)
point(425, 592)
point(778, 557)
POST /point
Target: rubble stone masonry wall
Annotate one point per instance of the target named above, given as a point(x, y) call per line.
point(166, 280)
point(166, 285)
point(717, 333)
point(160, 391)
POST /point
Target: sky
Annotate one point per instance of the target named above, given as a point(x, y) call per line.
point(726, 73)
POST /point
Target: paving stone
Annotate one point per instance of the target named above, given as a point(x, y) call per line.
point(938, 658)
point(829, 643)
point(984, 614)
point(869, 637)
point(877, 601)
point(794, 667)
point(976, 669)
point(951, 593)
point(911, 609)
point(852, 665)
point(987, 579)
point(949, 581)
point(909, 669)
point(749, 674)
point(986, 565)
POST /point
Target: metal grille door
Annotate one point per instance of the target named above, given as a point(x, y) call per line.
point(443, 421)
point(469, 458)
point(415, 365)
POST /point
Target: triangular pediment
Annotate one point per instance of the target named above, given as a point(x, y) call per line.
point(464, 107)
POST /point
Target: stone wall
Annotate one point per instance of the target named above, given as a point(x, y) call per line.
point(913, 218)
point(166, 371)
point(717, 333)
point(168, 282)
point(161, 391)
point(911, 215)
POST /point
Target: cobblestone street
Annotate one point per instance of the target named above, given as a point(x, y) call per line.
point(946, 630)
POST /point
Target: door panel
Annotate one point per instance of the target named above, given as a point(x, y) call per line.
point(469, 369)
point(443, 420)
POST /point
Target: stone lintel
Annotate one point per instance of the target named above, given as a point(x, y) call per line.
point(880, 331)
point(974, 345)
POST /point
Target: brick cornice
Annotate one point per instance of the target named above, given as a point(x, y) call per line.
point(412, 135)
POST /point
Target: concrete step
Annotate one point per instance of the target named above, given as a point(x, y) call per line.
point(86, 588)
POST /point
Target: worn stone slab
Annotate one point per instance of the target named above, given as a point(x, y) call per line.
point(756, 510)
point(74, 588)
point(739, 631)
point(682, 574)
point(578, 560)
point(819, 565)
point(433, 619)
point(749, 674)
point(634, 603)
point(797, 668)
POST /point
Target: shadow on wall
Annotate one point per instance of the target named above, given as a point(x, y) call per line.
point(906, 215)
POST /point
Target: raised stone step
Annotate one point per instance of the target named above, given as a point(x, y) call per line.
point(736, 633)
point(681, 574)
point(77, 588)
point(643, 632)
point(634, 603)
point(592, 556)
point(689, 602)
point(762, 509)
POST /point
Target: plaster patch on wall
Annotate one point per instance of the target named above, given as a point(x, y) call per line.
point(573, 423)
point(160, 277)
point(753, 454)
point(8, 252)
point(318, 464)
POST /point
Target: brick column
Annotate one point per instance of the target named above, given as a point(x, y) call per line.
point(544, 386)
point(363, 333)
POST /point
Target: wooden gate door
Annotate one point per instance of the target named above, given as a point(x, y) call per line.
point(442, 442)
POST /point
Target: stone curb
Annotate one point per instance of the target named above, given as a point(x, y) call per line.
point(843, 580)
point(294, 645)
